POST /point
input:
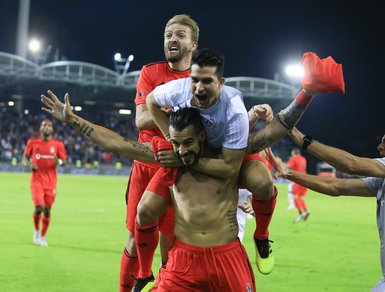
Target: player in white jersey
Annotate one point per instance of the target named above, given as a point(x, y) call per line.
point(371, 186)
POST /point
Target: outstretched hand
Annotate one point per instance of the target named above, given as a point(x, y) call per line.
point(55, 107)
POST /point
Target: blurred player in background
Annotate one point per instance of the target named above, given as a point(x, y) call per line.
point(42, 154)
point(298, 163)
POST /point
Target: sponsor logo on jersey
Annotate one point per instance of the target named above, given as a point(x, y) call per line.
point(210, 123)
point(39, 156)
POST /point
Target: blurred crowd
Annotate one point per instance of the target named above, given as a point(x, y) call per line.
point(16, 128)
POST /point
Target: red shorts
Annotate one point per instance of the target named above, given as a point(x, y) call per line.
point(299, 190)
point(140, 176)
point(217, 268)
point(43, 196)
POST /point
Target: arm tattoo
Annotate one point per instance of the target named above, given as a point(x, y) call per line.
point(144, 148)
point(259, 141)
point(83, 128)
point(232, 220)
point(290, 116)
point(86, 130)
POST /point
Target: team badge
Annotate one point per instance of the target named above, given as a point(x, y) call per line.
point(210, 123)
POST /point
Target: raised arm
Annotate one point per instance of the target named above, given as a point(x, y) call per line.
point(338, 158)
point(320, 76)
point(101, 136)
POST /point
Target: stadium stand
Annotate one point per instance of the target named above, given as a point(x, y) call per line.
point(100, 92)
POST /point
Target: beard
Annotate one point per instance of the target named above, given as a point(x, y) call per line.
point(194, 158)
point(173, 58)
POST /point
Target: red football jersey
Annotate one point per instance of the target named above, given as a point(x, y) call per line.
point(42, 154)
point(297, 163)
point(151, 76)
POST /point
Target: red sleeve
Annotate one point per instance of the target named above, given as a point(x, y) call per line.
point(143, 87)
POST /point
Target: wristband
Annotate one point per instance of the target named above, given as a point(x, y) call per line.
point(60, 162)
point(307, 140)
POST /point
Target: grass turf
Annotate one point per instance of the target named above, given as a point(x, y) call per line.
point(337, 249)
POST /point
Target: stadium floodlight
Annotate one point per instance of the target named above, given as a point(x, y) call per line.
point(124, 111)
point(26, 112)
point(117, 57)
point(294, 71)
point(37, 52)
point(11, 103)
point(34, 45)
point(122, 64)
point(78, 108)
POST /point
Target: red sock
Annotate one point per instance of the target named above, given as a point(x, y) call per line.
point(146, 238)
point(36, 221)
point(303, 203)
point(44, 228)
point(300, 205)
point(263, 211)
point(129, 269)
point(303, 99)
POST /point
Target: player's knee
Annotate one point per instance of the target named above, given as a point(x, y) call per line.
point(47, 212)
point(264, 189)
point(145, 214)
point(38, 209)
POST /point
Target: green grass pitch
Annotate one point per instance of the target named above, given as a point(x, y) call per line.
point(337, 249)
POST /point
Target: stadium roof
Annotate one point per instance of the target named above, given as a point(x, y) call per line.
point(25, 80)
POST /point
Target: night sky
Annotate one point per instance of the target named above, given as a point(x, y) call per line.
point(257, 40)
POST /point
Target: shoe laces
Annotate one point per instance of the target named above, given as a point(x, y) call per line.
point(142, 282)
point(264, 247)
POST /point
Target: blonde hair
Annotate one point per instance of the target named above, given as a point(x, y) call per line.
point(186, 20)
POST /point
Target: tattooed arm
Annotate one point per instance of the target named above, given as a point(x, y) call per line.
point(282, 123)
point(101, 136)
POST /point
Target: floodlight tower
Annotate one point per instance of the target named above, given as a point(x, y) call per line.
point(122, 64)
point(22, 28)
